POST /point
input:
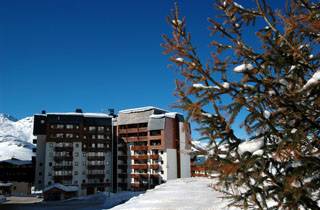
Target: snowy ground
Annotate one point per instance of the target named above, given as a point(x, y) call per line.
point(181, 194)
point(94, 202)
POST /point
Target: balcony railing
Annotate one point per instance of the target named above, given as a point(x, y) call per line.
point(154, 166)
point(139, 157)
point(62, 158)
point(138, 176)
point(139, 166)
point(97, 176)
point(58, 168)
point(154, 157)
point(139, 148)
point(61, 149)
point(96, 167)
point(96, 158)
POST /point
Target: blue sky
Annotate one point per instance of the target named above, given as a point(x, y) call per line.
point(60, 55)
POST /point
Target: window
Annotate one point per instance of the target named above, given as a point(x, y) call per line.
point(76, 163)
point(100, 128)
point(161, 161)
point(49, 183)
point(75, 172)
point(69, 135)
point(93, 137)
point(161, 152)
point(155, 133)
point(92, 128)
point(59, 135)
point(40, 164)
point(161, 172)
point(40, 173)
point(69, 126)
point(77, 145)
point(50, 163)
point(75, 182)
point(100, 136)
point(60, 126)
point(76, 154)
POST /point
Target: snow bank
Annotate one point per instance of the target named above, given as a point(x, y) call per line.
point(314, 80)
point(250, 146)
point(243, 68)
point(183, 194)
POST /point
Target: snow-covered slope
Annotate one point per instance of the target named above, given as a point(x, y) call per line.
point(16, 137)
point(183, 194)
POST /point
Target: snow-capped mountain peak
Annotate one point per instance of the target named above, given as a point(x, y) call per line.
point(16, 137)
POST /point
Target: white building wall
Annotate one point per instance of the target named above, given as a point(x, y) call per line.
point(48, 164)
point(40, 161)
point(170, 164)
point(185, 167)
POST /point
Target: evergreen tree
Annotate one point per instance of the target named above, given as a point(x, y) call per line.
point(273, 89)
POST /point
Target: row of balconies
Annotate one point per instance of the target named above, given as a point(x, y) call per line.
point(132, 130)
point(145, 166)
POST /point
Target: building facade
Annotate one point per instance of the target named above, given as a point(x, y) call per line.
point(16, 176)
point(74, 150)
point(153, 146)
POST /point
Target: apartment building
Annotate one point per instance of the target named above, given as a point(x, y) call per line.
point(74, 150)
point(153, 146)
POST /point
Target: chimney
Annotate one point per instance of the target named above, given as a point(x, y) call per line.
point(78, 110)
point(43, 112)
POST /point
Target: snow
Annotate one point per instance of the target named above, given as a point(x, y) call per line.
point(294, 130)
point(62, 187)
point(226, 85)
point(238, 5)
point(139, 109)
point(243, 68)
point(266, 114)
point(314, 80)
point(183, 194)
point(201, 86)
point(16, 138)
point(86, 114)
point(258, 152)
point(176, 22)
point(168, 114)
point(250, 146)
point(180, 59)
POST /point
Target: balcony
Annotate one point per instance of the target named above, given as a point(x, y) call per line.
point(101, 167)
point(136, 138)
point(154, 157)
point(139, 166)
point(154, 175)
point(62, 158)
point(138, 185)
point(122, 176)
point(139, 157)
point(122, 157)
point(95, 158)
point(62, 149)
point(123, 166)
point(101, 184)
point(57, 178)
point(139, 176)
point(95, 176)
point(154, 166)
point(59, 168)
point(139, 148)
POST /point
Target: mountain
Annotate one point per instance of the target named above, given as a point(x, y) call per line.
point(16, 137)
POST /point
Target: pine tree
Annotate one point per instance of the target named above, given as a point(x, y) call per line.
point(272, 88)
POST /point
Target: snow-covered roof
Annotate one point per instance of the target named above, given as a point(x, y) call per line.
point(5, 184)
point(62, 187)
point(18, 162)
point(139, 109)
point(86, 114)
point(168, 114)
